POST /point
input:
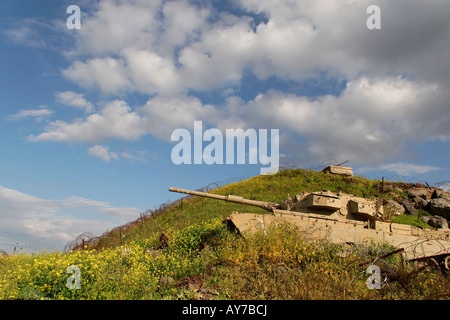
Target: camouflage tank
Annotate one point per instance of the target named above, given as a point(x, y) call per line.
point(341, 218)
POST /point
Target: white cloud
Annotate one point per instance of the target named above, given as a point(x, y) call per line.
point(176, 46)
point(73, 99)
point(108, 74)
point(114, 120)
point(401, 168)
point(397, 89)
point(103, 153)
point(162, 115)
point(151, 73)
point(159, 117)
point(407, 169)
point(115, 25)
point(368, 123)
point(38, 114)
point(41, 223)
point(28, 32)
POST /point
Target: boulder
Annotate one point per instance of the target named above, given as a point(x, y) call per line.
point(440, 207)
point(439, 193)
point(395, 207)
point(420, 202)
point(420, 192)
point(409, 207)
point(436, 222)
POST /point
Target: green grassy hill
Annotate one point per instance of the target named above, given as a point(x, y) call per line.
point(271, 188)
point(183, 251)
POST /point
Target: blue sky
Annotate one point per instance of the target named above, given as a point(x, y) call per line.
point(86, 115)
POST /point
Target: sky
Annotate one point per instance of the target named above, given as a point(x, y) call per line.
point(87, 114)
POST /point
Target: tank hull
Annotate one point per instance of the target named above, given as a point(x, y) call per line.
point(416, 243)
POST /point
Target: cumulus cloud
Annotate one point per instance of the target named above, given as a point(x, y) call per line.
point(159, 117)
point(73, 99)
point(204, 50)
point(397, 77)
point(115, 25)
point(114, 120)
point(41, 223)
point(162, 115)
point(108, 74)
point(150, 72)
point(369, 122)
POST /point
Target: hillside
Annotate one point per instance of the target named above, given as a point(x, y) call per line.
point(183, 251)
point(269, 188)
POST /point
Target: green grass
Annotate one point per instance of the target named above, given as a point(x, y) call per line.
point(413, 220)
point(208, 262)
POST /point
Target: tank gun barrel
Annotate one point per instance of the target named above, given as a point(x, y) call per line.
point(230, 198)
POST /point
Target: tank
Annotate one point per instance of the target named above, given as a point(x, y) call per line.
point(341, 218)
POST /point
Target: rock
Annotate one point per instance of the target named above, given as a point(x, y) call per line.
point(394, 207)
point(445, 195)
point(409, 207)
point(400, 209)
point(436, 222)
point(436, 193)
point(440, 207)
point(395, 196)
point(420, 192)
point(420, 202)
point(387, 188)
point(439, 193)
